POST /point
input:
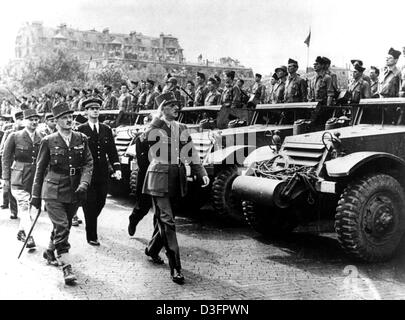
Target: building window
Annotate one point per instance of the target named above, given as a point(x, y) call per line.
point(73, 43)
point(87, 45)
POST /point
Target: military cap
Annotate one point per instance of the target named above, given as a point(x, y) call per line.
point(150, 82)
point(201, 75)
point(275, 76)
point(258, 75)
point(76, 90)
point(61, 109)
point(191, 82)
point(326, 60)
point(230, 74)
point(172, 80)
point(218, 78)
point(135, 83)
point(292, 61)
point(92, 102)
point(283, 68)
point(359, 68)
point(166, 98)
point(319, 60)
point(49, 116)
point(212, 80)
point(29, 113)
point(356, 61)
point(18, 115)
point(108, 87)
point(377, 71)
point(394, 53)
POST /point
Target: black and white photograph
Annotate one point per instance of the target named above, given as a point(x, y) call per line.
point(202, 154)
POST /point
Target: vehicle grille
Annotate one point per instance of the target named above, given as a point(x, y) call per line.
point(122, 145)
point(303, 154)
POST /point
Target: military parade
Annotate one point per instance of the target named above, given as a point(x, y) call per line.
point(146, 175)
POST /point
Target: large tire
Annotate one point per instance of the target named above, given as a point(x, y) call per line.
point(133, 180)
point(224, 203)
point(370, 220)
point(270, 222)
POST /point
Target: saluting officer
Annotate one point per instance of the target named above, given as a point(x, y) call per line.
point(102, 145)
point(18, 166)
point(63, 174)
point(295, 87)
point(391, 81)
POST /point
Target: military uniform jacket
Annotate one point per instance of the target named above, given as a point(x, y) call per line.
point(150, 100)
point(110, 103)
point(320, 88)
point(259, 93)
point(278, 92)
point(374, 89)
point(103, 150)
point(74, 104)
point(295, 89)
point(166, 174)
point(200, 94)
point(391, 83)
point(359, 89)
point(213, 98)
point(61, 168)
point(231, 96)
point(124, 102)
point(19, 159)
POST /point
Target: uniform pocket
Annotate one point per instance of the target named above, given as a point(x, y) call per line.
point(157, 180)
point(57, 155)
point(50, 188)
point(17, 173)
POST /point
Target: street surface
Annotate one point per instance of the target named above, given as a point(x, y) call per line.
point(219, 262)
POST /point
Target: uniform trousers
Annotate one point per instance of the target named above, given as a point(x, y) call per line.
point(96, 196)
point(164, 233)
point(61, 215)
point(9, 200)
point(23, 201)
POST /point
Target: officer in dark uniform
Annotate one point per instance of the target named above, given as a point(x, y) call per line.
point(166, 179)
point(18, 168)
point(63, 174)
point(190, 89)
point(8, 199)
point(102, 145)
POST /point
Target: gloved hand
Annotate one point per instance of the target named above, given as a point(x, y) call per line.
point(81, 191)
point(118, 174)
point(36, 202)
point(206, 181)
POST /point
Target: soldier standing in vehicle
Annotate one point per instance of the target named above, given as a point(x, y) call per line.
point(124, 101)
point(279, 87)
point(295, 87)
point(326, 66)
point(219, 87)
point(142, 94)
point(134, 93)
point(273, 82)
point(103, 151)
point(110, 102)
point(201, 90)
point(63, 174)
point(320, 86)
point(360, 63)
point(151, 95)
point(213, 97)
point(358, 88)
point(18, 168)
point(257, 91)
point(231, 96)
point(190, 89)
point(374, 82)
point(391, 80)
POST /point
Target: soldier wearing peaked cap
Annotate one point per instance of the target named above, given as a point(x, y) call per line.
point(295, 87)
point(231, 96)
point(63, 174)
point(320, 86)
point(201, 91)
point(358, 88)
point(166, 181)
point(104, 152)
point(374, 82)
point(390, 84)
point(18, 168)
point(279, 87)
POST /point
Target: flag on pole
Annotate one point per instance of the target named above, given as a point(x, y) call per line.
point(308, 39)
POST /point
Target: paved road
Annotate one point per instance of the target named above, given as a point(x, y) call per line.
point(219, 261)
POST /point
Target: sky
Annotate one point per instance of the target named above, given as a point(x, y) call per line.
point(261, 34)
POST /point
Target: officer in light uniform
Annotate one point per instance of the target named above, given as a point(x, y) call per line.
point(374, 82)
point(18, 166)
point(390, 84)
point(63, 174)
point(295, 87)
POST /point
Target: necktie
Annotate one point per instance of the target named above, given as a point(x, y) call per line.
point(95, 130)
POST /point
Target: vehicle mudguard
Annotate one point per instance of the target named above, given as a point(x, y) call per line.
point(347, 165)
point(260, 154)
point(226, 155)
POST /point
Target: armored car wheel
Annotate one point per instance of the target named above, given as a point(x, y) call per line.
point(133, 180)
point(370, 217)
point(223, 202)
point(270, 222)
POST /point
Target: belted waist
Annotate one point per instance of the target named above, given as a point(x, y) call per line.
point(27, 162)
point(67, 172)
